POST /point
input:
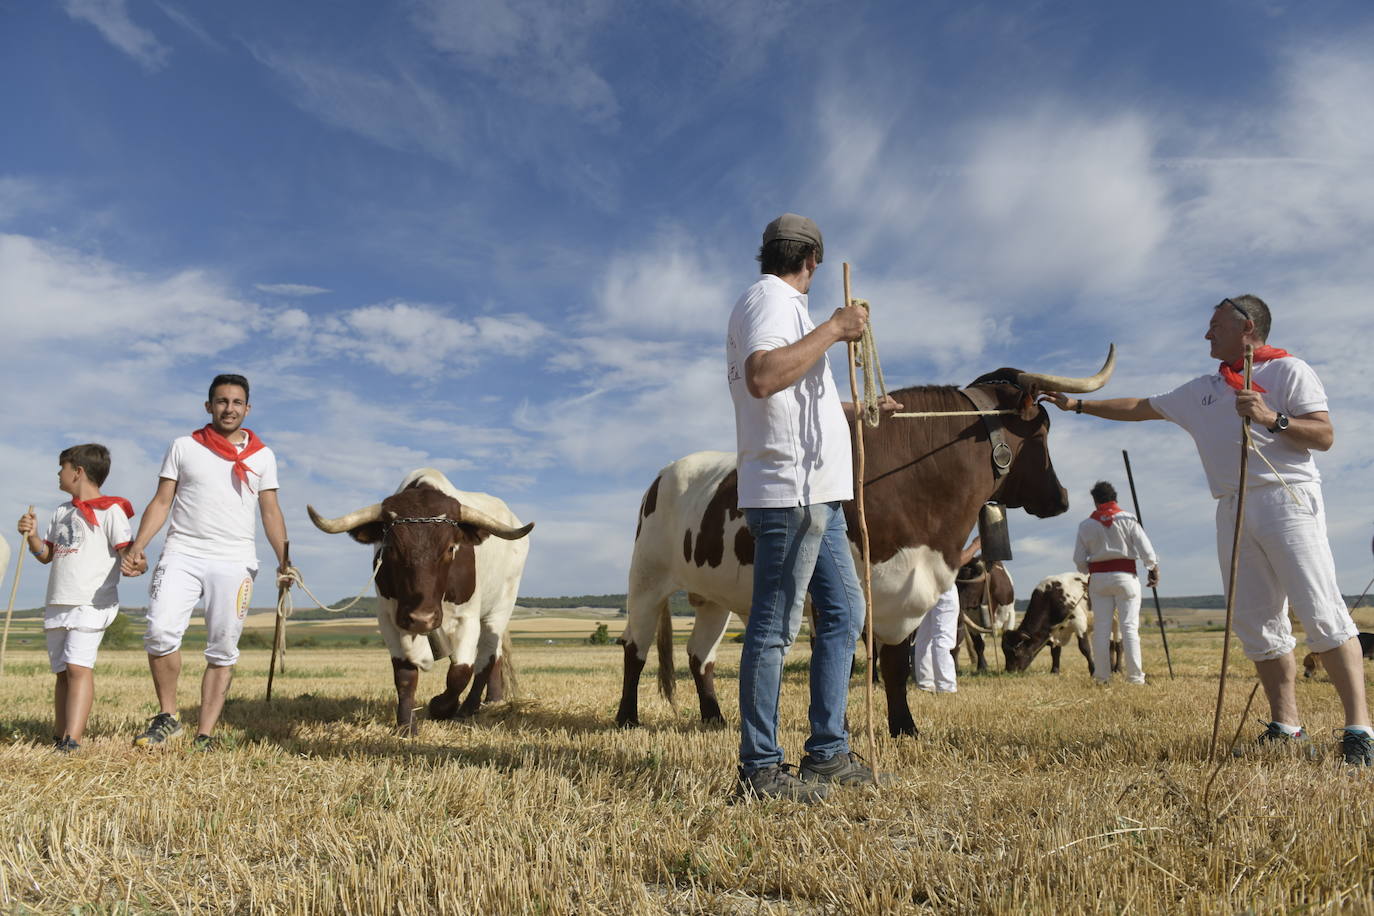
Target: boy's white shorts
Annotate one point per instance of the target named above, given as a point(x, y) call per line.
point(178, 583)
point(74, 633)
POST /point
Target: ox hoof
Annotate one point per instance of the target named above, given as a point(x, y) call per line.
point(438, 709)
point(903, 731)
point(716, 721)
point(627, 721)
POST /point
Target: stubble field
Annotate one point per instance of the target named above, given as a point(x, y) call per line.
point(1030, 793)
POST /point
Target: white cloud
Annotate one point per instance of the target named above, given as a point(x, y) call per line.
point(111, 18)
point(295, 290)
point(671, 287)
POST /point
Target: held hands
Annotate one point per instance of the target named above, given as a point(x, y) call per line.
point(849, 322)
point(133, 562)
point(1251, 404)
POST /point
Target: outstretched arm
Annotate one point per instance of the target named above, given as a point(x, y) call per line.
point(1128, 409)
point(154, 517)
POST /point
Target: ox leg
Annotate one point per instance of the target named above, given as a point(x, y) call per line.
point(979, 648)
point(1115, 652)
point(646, 605)
point(445, 705)
point(1087, 652)
point(707, 631)
point(407, 677)
point(1054, 658)
point(496, 686)
point(479, 684)
point(896, 665)
point(628, 714)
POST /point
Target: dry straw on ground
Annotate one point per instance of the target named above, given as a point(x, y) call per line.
point(1029, 793)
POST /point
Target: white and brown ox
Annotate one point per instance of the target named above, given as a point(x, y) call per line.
point(1059, 610)
point(445, 586)
point(925, 482)
point(974, 581)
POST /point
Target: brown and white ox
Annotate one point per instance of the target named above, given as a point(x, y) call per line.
point(445, 586)
point(1059, 610)
point(974, 581)
point(925, 482)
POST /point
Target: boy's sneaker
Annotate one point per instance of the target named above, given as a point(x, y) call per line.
point(204, 743)
point(842, 769)
point(66, 745)
point(163, 726)
point(779, 782)
point(1277, 742)
point(1357, 748)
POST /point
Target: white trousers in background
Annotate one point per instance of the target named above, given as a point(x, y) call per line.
point(932, 665)
point(179, 582)
point(1116, 593)
point(1284, 554)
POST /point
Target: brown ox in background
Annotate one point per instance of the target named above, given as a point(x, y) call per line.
point(973, 584)
point(444, 587)
point(1313, 662)
point(1059, 610)
point(925, 482)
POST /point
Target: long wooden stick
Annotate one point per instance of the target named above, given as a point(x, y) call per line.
point(867, 581)
point(279, 633)
point(1235, 554)
point(1159, 611)
point(14, 587)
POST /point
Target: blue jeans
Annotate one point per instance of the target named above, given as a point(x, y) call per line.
point(798, 550)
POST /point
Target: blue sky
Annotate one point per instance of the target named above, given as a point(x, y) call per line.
point(502, 238)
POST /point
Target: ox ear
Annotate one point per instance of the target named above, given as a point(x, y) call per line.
point(369, 533)
point(471, 534)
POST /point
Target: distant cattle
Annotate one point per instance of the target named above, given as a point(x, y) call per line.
point(1059, 610)
point(973, 584)
point(1313, 661)
point(445, 587)
point(925, 482)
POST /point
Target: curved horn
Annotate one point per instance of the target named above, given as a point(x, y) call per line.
point(471, 516)
point(347, 522)
point(1071, 385)
point(973, 626)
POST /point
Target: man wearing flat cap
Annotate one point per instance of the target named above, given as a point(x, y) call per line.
point(795, 471)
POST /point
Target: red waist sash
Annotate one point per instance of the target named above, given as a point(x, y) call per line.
point(1106, 566)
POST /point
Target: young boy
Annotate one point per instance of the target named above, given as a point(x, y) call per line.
point(85, 544)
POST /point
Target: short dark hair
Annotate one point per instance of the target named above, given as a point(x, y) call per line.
point(1103, 492)
point(784, 257)
point(228, 378)
point(1254, 308)
point(92, 458)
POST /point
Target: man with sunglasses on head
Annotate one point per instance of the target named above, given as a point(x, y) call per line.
point(1285, 558)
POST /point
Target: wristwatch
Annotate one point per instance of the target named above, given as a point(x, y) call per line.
point(1280, 424)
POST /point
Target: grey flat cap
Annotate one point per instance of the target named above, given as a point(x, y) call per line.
point(795, 228)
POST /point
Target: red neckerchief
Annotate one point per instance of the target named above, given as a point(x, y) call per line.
point(212, 439)
point(1105, 512)
point(1231, 372)
point(87, 507)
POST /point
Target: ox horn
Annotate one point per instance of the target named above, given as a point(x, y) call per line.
point(471, 516)
point(968, 621)
point(347, 522)
point(1071, 385)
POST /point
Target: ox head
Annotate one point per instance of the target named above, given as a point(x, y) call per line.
point(1050, 604)
point(1030, 482)
point(425, 543)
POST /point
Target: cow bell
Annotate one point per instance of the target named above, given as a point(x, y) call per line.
point(993, 533)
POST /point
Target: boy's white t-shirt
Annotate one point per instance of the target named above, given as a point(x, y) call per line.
point(1206, 408)
point(214, 516)
point(794, 446)
point(85, 560)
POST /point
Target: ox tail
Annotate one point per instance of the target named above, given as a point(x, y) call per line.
point(509, 679)
point(667, 674)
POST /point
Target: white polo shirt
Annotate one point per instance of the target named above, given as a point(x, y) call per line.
point(85, 560)
point(214, 516)
point(794, 447)
point(1206, 408)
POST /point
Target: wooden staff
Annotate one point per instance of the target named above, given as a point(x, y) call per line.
point(279, 634)
point(863, 539)
point(1235, 553)
point(1159, 612)
point(14, 587)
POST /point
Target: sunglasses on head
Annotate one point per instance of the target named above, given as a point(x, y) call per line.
point(1235, 305)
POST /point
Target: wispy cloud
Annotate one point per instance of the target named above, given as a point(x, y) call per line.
point(294, 290)
point(111, 18)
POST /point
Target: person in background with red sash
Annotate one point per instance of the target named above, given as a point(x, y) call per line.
point(1110, 541)
point(86, 540)
point(213, 484)
point(1285, 559)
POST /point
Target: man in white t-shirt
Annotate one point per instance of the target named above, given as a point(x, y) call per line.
point(795, 469)
point(1109, 543)
point(1285, 558)
point(213, 484)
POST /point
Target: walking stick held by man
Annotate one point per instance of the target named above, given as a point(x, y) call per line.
point(1154, 589)
point(9, 611)
point(279, 633)
point(1235, 554)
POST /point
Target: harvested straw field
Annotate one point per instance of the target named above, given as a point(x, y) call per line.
point(1029, 793)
